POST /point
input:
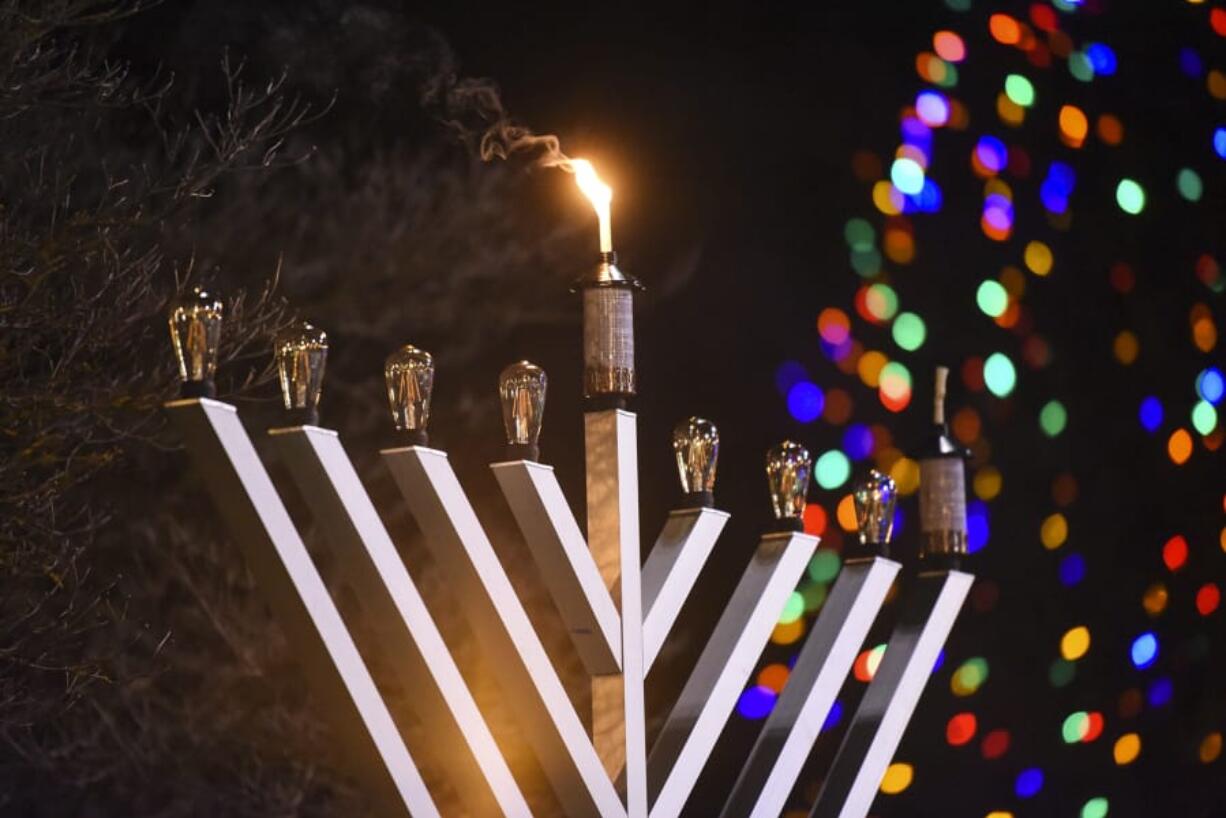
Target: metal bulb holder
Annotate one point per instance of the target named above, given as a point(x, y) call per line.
point(521, 388)
point(875, 498)
point(609, 378)
point(302, 353)
point(409, 375)
point(195, 331)
point(788, 467)
point(696, 446)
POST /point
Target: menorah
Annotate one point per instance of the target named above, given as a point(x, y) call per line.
point(618, 609)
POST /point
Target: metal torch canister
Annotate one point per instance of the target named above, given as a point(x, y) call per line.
point(608, 335)
point(942, 489)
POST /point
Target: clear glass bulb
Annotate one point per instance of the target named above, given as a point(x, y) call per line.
point(301, 352)
point(875, 498)
point(195, 331)
point(409, 374)
point(521, 386)
point(787, 474)
point(696, 445)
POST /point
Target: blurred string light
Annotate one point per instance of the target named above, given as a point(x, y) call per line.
point(1025, 143)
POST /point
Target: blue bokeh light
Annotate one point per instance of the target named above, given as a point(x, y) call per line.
point(833, 717)
point(1072, 569)
point(1161, 692)
point(1102, 58)
point(858, 441)
point(1028, 783)
point(976, 526)
point(1190, 62)
point(1144, 650)
point(992, 153)
point(1219, 142)
point(1151, 414)
point(1210, 385)
point(756, 702)
point(805, 401)
point(787, 374)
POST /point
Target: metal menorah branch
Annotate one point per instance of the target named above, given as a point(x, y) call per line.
point(618, 615)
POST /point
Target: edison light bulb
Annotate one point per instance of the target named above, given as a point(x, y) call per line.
point(787, 474)
point(521, 386)
point(874, 498)
point(696, 445)
point(302, 352)
point(195, 330)
point(409, 373)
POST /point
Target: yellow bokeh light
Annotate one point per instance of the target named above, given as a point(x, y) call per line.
point(1179, 446)
point(1127, 748)
point(1073, 126)
point(1009, 111)
point(1014, 281)
point(789, 633)
point(1075, 643)
point(987, 483)
point(1038, 258)
point(1211, 748)
point(887, 198)
point(869, 367)
point(1054, 531)
point(999, 814)
point(1126, 347)
point(1216, 83)
point(905, 473)
point(846, 513)
point(1154, 599)
point(897, 778)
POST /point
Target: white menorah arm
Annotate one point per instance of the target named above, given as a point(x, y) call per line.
point(927, 617)
point(536, 694)
point(787, 738)
point(566, 564)
point(671, 569)
point(709, 696)
point(402, 630)
point(369, 743)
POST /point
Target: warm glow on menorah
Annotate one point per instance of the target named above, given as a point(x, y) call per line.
point(618, 609)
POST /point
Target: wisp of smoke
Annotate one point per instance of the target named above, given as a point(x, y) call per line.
point(472, 108)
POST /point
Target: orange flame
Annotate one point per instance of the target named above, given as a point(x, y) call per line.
point(599, 194)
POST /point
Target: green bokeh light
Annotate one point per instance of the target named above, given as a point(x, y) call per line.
point(1019, 89)
point(1189, 184)
point(999, 375)
point(909, 331)
point(832, 469)
point(1130, 196)
point(859, 235)
point(866, 262)
point(1075, 727)
point(1053, 418)
point(1095, 808)
point(992, 298)
point(1080, 67)
point(1061, 673)
point(1204, 417)
point(793, 609)
point(824, 566)
point(971, 674)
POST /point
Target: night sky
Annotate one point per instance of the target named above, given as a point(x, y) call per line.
point(728, 137)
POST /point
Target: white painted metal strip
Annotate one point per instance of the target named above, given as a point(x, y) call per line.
point(245, 498)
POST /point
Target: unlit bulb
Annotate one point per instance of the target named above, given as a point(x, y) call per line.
point(788, 466)
point(521, 387)
point(409, 374)
point(302, 352)
point(874, 499)
point(696, 446)
point(195, 331)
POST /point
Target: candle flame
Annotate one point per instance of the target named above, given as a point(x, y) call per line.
point(599, 194)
